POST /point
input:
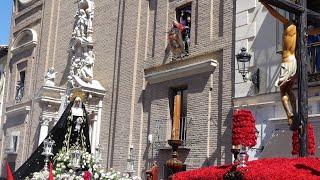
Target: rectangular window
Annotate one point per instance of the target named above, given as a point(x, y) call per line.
point(20, 86)
point(20, 82)
point(183, 16)
point(22, 76)
point(178, 111)
point(14, 142)
point(313, 53)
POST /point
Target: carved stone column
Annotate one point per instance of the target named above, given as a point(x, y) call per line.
point(93, 129)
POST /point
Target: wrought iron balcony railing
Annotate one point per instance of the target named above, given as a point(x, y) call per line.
point(313, 56)
point(10, 151)
point(160, 138)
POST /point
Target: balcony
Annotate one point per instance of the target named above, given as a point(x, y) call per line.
point(313, 57)
point(10, 151)
point(161, 140)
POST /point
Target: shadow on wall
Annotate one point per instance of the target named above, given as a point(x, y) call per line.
point(18, 120)
point(165, 154)
point(265, 54)
point(66, 71)
point(224, 140)
point(146, 103)
point(155, 106)
point(21, 56)
point(153, 6)
point(115, 82)
point(36, 137)
point(223, 125)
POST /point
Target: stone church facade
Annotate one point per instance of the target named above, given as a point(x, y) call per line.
point(134, 66)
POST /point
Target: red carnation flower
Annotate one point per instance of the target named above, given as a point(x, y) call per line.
point(311, 141)
point(243, 128)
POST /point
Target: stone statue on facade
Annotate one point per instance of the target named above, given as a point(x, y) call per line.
point(81, 24)
point(19, 91)
point(76, 65)
point(82, 57)
point(86, 71)
point(90, 15)
point(81, 53)
point(175, 41)
point(179, 38)
point(49, 77)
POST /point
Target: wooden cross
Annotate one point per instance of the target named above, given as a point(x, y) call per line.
point(297, 10)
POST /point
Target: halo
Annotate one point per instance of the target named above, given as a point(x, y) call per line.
point(77, 92)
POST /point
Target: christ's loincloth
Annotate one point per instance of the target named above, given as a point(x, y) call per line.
point(287, 71)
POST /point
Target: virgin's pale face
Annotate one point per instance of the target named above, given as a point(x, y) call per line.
point(77, 103)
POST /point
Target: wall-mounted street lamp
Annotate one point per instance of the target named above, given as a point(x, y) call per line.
point(243, 60)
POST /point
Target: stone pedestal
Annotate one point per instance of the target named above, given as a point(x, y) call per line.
point(49, 99)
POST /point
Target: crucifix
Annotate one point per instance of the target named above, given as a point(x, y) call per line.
point(294, 29)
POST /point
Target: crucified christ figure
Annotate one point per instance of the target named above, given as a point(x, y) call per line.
point(288, 66)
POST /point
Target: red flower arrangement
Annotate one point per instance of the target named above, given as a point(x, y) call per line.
point(311, 141)
point(273, 168)
point(87, 175)
point(243, 128)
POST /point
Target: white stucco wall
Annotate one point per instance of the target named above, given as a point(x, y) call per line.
point(256, 31)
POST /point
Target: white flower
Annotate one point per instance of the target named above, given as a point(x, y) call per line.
point(96, 175)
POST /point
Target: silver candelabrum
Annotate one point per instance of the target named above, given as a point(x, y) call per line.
point(47, 151)
point(244, 157)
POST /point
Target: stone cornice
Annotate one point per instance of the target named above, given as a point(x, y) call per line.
point(17, 109)
point(178, 69)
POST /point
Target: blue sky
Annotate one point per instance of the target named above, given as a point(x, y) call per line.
point(5, 20)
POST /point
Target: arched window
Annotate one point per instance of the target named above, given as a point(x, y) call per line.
point(26, 39)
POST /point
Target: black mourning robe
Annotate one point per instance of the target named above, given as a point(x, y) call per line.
point(36, 161)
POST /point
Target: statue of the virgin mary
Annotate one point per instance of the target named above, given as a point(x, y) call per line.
point(72, 130)
point(77, 126)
